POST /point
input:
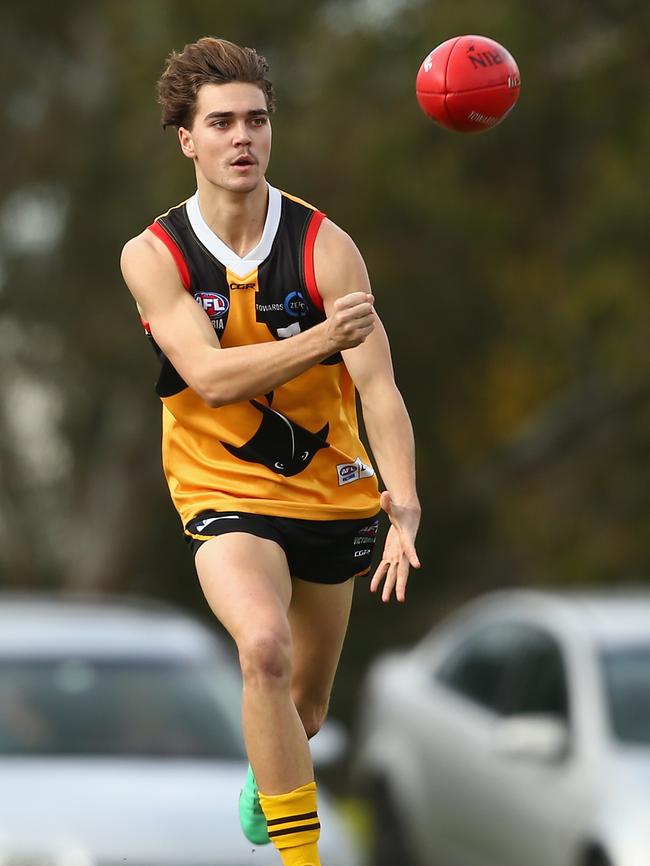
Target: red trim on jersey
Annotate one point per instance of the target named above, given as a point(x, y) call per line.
point(310, 277)
point(174, 249)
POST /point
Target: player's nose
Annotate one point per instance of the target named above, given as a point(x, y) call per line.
point(241, 134)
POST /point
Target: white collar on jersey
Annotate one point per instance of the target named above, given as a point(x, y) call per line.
point(242, 266)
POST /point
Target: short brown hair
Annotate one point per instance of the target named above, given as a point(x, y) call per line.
point(208, 61)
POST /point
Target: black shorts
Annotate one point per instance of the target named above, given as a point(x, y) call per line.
point(321, 551)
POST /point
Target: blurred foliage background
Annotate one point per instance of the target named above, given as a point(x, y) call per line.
point(510, 268)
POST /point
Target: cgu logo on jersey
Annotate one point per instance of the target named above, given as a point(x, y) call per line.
point(215, 305)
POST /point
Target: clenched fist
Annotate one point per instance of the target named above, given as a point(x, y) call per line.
point(351, 321)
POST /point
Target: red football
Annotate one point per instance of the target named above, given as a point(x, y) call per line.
point(468, 83)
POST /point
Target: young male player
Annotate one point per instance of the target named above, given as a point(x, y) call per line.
point(261, 314)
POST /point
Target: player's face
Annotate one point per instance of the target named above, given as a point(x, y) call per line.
point(230, 136)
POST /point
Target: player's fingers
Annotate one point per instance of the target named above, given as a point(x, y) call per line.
point(389, 583)
point(379, 575)
point(353, 334)
point(353, 299)
point(358, 314)
point(410, 551)
point(402, 579)
point(407, 543)
point(366, 321)
point(351, 324)
point(408, 546)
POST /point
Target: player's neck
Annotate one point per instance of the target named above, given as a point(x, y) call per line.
point(236, 218)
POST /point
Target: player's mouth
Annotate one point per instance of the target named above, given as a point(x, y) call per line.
point(243, 162)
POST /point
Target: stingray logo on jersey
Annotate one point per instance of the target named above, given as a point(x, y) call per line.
point(349, 472)
point(295, 304)
point(215, 305)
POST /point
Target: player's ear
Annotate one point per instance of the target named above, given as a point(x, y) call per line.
point(186, 142)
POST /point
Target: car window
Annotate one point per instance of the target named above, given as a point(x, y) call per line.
point(119, 707)
point(477, 667)
point(510, 668)
point(626, 672)
point(536, 683)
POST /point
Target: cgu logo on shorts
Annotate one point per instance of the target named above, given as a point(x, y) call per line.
point(349, 472)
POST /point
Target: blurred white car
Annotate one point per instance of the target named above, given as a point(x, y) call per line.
point(120, 741)
point(516, 734)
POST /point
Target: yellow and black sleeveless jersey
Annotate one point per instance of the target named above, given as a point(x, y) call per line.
point(294, 452)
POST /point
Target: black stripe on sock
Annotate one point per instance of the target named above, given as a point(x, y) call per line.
point(288, 830)
point(304, 817)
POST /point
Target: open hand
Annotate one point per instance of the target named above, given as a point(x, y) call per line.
point(399, 551)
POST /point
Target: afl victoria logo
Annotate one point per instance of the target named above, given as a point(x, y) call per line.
point(348, 472)
point(215, 305)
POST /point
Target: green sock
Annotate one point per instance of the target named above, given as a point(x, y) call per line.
point(251, 816)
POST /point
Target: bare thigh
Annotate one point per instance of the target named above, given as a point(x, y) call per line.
point(318, 616)
point(245, 580)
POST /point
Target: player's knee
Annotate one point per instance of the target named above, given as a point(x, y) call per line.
point(312, 714)
point(265, 655)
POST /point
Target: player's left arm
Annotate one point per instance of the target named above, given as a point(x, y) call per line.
point(340, 269)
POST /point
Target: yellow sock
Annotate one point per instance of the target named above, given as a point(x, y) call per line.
point(293, 825)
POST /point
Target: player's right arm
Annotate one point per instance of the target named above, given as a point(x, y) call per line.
point(185, 335)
